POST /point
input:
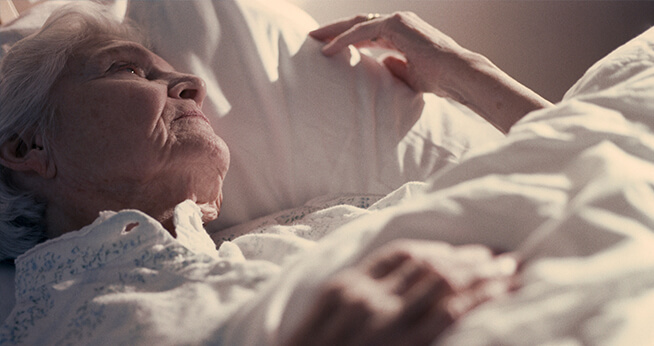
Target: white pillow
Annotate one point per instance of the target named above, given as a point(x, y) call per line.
point(298, 124)
point(622, 81)
point(621, 64)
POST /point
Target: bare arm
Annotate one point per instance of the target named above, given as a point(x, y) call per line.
point(491, 93)
point(431, 61)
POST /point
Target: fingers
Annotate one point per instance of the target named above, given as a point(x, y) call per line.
point(482, 291)
point(349, 317)
point(361, 32)
point(381, 265)
point(406, 292)
point(399, 69)
point(401, 275)
point(424, 331)
point(407, 277)
point(344, 311)
point(398, 31)
point(424, 294)
point(329, 31)
point(429, 58)
point(419, 291)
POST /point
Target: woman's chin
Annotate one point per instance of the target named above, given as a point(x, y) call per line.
point(205, 149)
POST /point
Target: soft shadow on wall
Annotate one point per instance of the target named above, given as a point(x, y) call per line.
point(546, 45)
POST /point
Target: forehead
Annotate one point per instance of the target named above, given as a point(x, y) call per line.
point(109, 49)
point(113, 47)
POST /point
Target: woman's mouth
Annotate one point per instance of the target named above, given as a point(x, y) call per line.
point(193, 114)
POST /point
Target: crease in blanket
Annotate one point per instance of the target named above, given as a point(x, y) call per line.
point(83, 286)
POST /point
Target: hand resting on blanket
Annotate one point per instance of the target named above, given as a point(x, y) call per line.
point(431, 61)
point(406, 292)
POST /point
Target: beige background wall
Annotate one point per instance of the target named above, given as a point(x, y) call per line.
point(546, 45)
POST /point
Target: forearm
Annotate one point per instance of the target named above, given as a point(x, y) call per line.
point(480, 85)
point(434, 62)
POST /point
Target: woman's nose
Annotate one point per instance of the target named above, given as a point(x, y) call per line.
point(188, 87)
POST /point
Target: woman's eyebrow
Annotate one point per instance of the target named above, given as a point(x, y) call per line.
point(132, 49)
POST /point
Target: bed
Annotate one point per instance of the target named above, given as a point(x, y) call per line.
point(315, 139)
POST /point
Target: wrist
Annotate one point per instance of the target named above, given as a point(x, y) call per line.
point(474, 81)
point(461, 74)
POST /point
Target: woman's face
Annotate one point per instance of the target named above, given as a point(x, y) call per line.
point(129, 128)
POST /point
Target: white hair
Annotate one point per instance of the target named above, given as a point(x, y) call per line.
point(27, 74)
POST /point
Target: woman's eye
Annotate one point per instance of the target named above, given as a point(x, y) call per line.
point(130, 68)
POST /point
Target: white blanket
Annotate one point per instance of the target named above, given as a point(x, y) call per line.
point(570, 191)
point(125, 280)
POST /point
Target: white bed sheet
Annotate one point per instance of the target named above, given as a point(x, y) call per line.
point(571, 191)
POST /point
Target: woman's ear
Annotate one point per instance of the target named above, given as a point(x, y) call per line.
point(26, 156)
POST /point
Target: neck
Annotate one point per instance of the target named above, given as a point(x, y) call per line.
point(61, 219)
point(74, 202)
point(71, 211)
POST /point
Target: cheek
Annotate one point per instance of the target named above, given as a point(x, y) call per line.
point(136, 109)
point(112, 127)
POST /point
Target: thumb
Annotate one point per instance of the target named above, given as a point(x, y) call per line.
point(398, 68)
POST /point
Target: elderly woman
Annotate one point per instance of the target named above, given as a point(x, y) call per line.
point(92, 120)
point(67, 153)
